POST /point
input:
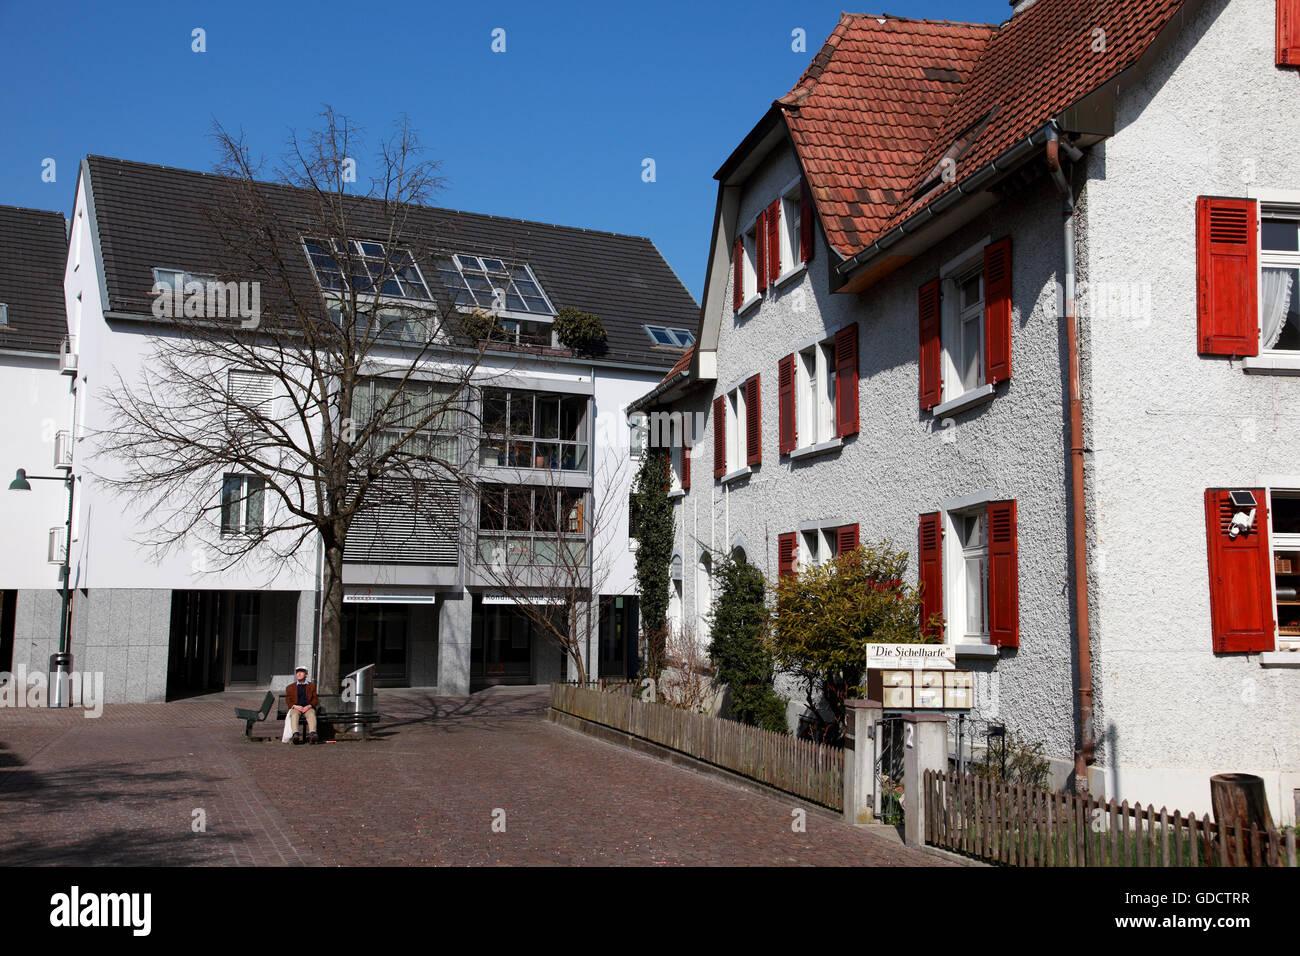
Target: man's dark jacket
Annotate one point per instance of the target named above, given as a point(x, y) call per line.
point(291, 696)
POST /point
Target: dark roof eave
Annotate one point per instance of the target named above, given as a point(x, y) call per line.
point(963, 190)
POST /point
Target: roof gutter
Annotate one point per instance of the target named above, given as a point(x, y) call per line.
point(967, 187)
point(663, 387)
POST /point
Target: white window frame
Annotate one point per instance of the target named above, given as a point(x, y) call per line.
point(751, 293)
point(954, 556)
point(736, 429)
point(1276, 259)
point(814, 402)
point(789, 231)
point(817, 545)
point(241, 524)
point(1280, 542)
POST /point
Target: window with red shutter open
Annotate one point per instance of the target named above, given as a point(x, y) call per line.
point(785, 404)
point(1288, 32)
point(719, 437)
point(997, 311)
point(846, 381)
point(806, 213)
point(738, 275)
point(1004, 575)
point(846, 538)
point(930, 565)
point(753, 422)
point(773, 221)
point(786, 546)
point(1227, 279)
point(1241, 573)
point(930, 364)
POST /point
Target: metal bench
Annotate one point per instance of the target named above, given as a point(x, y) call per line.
point(250, 717)
point(359, 710)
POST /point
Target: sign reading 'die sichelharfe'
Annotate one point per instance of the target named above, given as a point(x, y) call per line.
point(77, 909)
point(928, 657)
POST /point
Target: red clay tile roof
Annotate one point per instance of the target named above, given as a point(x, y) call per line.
point(865, 112)
point(682, 365)
point(886, 99)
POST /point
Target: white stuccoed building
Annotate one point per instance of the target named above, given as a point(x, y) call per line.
point(166, 625)
point(909, 360)
point(34, 434)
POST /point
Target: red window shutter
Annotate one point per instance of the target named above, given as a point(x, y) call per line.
point(931, 567)
point(785, 551)
point(738, 284)
point(686, 466)
point(997, 311)
point(1288, 32)
point(785, 403)
point(719, 437)
point(760, 253)
point(774, 242)
point(1004, 575)
point(846, 538)
point(846, 381)
point(753, 422)
point(1227, 276)
point(931, 381)
point(806, 213)
point(1241, 576)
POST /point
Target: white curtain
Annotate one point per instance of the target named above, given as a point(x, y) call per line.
point(1277, 289)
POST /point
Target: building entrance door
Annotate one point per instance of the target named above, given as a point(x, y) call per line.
point(375, 634)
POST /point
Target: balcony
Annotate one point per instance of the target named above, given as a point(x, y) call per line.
point(63, 449)
point(68, 356)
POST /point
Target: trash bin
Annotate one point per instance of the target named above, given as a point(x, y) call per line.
point(60, 677)
point(360, 687)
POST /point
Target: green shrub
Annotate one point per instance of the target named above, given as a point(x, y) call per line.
point(652, 518)
point(737, 623)
point(579, 331)
point(827, 614)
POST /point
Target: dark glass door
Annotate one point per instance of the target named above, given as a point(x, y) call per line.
point(375, 634)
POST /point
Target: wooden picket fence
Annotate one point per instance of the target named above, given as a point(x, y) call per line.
point(1026, 826)
point(810, 771)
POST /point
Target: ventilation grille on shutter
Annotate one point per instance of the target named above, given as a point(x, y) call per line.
point(1229, 226)
point(396, 529)
point(929, 535)
point(1001, 527)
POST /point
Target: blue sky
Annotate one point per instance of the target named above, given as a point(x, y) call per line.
point(555, 128)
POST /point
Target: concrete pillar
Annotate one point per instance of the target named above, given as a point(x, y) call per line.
point(925, 747)
point(860, 762)
point(455, 623)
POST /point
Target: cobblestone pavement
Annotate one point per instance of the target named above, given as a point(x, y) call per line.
point(128, 788)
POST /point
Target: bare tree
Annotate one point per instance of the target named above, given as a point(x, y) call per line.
point(339, 400)
point(550, 546)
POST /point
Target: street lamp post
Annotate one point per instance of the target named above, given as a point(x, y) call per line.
point(63, 659)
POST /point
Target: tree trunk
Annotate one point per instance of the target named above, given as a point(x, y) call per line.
point(1239, 800)
point(331, 628)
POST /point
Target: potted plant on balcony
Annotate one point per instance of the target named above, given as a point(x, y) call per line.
point(579, 331)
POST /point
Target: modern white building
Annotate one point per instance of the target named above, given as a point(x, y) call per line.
point(419, 606)
point(902, 247)
point(34, 434)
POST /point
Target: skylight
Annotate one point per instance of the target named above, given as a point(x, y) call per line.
point(671, 338)
point(487, 283)
point(367, 264)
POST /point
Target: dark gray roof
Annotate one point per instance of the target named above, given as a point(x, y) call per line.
point(33, 250)
point(154, 216)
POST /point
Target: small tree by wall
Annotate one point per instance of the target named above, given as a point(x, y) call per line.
point(738, 622)
point(651, 516)
point(827, 614)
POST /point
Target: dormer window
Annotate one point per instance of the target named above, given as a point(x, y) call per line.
point(670, 338)
point(362, 264)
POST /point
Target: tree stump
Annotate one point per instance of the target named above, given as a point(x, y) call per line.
point(1239, 801)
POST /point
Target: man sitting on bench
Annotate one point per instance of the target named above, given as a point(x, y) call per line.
point(302, 701)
